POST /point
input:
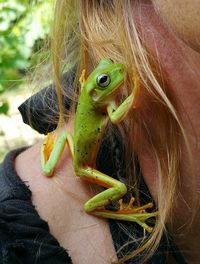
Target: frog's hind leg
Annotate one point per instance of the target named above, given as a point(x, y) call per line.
point(115, 191)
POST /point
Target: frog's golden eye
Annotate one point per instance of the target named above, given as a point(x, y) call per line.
point(103, 80)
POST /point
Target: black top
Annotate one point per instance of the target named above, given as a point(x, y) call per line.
point(25, 237)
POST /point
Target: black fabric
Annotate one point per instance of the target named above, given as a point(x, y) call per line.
point(39, 110)
point(24, 236)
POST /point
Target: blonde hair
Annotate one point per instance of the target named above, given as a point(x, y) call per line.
point(85, 32)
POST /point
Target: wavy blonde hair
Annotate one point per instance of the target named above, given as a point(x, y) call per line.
point(86, 31)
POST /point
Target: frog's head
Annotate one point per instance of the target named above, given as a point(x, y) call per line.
point(105, 80)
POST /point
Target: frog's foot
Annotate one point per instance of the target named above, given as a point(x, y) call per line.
point(130, 208)
point(82, 78)
point(136, 88)
point(129, 213)
point(48, 145)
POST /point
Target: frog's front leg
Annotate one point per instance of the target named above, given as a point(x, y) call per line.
point(52, 149)
point(117, 115)
point(115, 191)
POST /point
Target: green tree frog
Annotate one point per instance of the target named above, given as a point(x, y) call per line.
point(96, 106)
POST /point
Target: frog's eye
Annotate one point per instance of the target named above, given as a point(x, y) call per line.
point(103, 80)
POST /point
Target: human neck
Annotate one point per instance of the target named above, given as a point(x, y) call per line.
point(180, 67)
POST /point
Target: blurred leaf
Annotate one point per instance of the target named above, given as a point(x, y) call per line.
point(4, 107)
point(2, 133)
point(23, 24)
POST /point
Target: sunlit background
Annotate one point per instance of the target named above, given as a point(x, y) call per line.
point(24, 29)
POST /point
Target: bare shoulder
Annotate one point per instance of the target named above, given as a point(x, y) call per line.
point(59, 200)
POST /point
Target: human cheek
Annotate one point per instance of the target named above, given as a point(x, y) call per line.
point(183, 17)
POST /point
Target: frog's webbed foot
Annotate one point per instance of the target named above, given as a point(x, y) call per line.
point(130, 206)
point(128, 212)
point(82, 79)
point(48, 145)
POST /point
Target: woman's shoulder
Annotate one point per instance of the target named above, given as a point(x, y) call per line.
point(59, 201)
point(24, 236)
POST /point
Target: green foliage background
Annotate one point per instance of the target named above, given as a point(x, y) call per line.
point(24, 28)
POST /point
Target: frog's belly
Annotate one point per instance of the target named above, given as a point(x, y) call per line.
point(85, 151)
